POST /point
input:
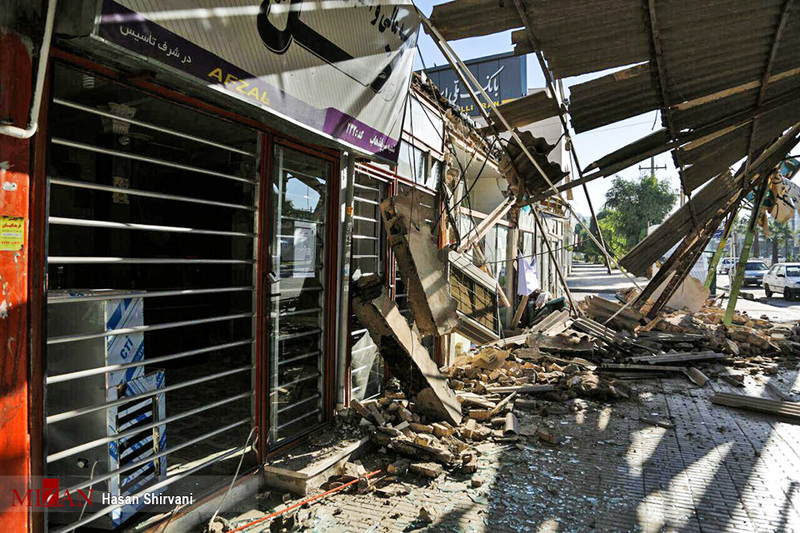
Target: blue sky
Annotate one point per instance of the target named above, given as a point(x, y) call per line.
point(590, 145)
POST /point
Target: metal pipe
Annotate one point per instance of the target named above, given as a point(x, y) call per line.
point(752, 229)
point(148, 194)
point(144, 159)
point(76, 298)
point(58, 378)
point(58, 417)
point(153, 127)
point(297, 312)
point(295, 404)
point(342, 375)
point(292, 336)
point(712, 265)
point(299, 418)
point(151, 488)
point(41, 73)
point(62, 221)
point(52, 458)
point(299, 358)
point(136, 464)
point(299, 380)
point(63, 260)
point(142, 329)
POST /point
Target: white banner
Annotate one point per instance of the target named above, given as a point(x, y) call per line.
point(338, 67)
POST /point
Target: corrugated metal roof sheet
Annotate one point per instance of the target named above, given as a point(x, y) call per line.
point(526, 110)
point(707, 48)
point(614, 97)
point(531, 183)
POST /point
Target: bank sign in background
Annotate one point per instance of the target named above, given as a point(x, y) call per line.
point(338, 67)
point(504, 77)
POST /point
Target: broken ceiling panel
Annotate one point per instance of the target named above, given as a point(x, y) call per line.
point(713, 65)
point(656, 143)
point(582, 36)
point(577, 36)
point(715, 156)
point(614, 97)
point(710, 46)
point(524, 179)
point(421, 265)
point(472, 18)
point(526, 110)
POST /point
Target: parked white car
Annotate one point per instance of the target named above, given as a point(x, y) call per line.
point(753, 272)
point(726, 264)
point(783, 278)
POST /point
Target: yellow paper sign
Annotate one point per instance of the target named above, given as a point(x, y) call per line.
point(12, 234)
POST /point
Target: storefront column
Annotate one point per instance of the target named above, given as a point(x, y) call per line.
point(15, 183)
point(346, 184)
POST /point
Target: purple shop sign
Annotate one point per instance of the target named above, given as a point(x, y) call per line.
point(307, 67)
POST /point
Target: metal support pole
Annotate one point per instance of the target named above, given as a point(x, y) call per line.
point(346, 235)
point(712, 265)
point(511, 259)
point(551, 85)
point(458, 66)
point(736, 284)
point(561, 277)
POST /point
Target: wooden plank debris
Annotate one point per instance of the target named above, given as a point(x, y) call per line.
point(601, 310)
point(679, 357)
point(762, 405)
point(522, 389)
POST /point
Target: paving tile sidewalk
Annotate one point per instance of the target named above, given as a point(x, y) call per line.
point(718, 470)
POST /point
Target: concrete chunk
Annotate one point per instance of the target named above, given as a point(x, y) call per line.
point(421, 266)
point(422, 380)
point(431, 470)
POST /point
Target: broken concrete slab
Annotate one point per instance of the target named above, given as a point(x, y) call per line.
point(398, 342)
point(421, 265)
point(431, 470)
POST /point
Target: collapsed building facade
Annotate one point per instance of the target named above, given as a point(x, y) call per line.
point(174, 252)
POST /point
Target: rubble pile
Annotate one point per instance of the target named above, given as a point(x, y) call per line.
point(746, 337)
point(566, 360)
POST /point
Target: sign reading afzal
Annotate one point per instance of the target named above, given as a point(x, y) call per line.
point(339, 67)
point(504, 77)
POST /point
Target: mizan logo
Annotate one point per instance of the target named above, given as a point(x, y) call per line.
point(50, 496)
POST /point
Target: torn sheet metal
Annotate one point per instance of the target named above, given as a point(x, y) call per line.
point(421, 266)
point(524, 179)
point(608, 99)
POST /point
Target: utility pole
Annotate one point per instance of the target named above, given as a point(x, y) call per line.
point(652, 168)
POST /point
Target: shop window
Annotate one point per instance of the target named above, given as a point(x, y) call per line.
point(152, 240)
point(367, 257)
point(412, 163)
point(299, 209)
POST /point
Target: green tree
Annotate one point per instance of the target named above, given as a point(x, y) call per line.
point(631, 207)
point(781, 236)
point(637, 204)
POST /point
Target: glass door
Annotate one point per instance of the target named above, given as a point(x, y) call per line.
point(299, 207)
